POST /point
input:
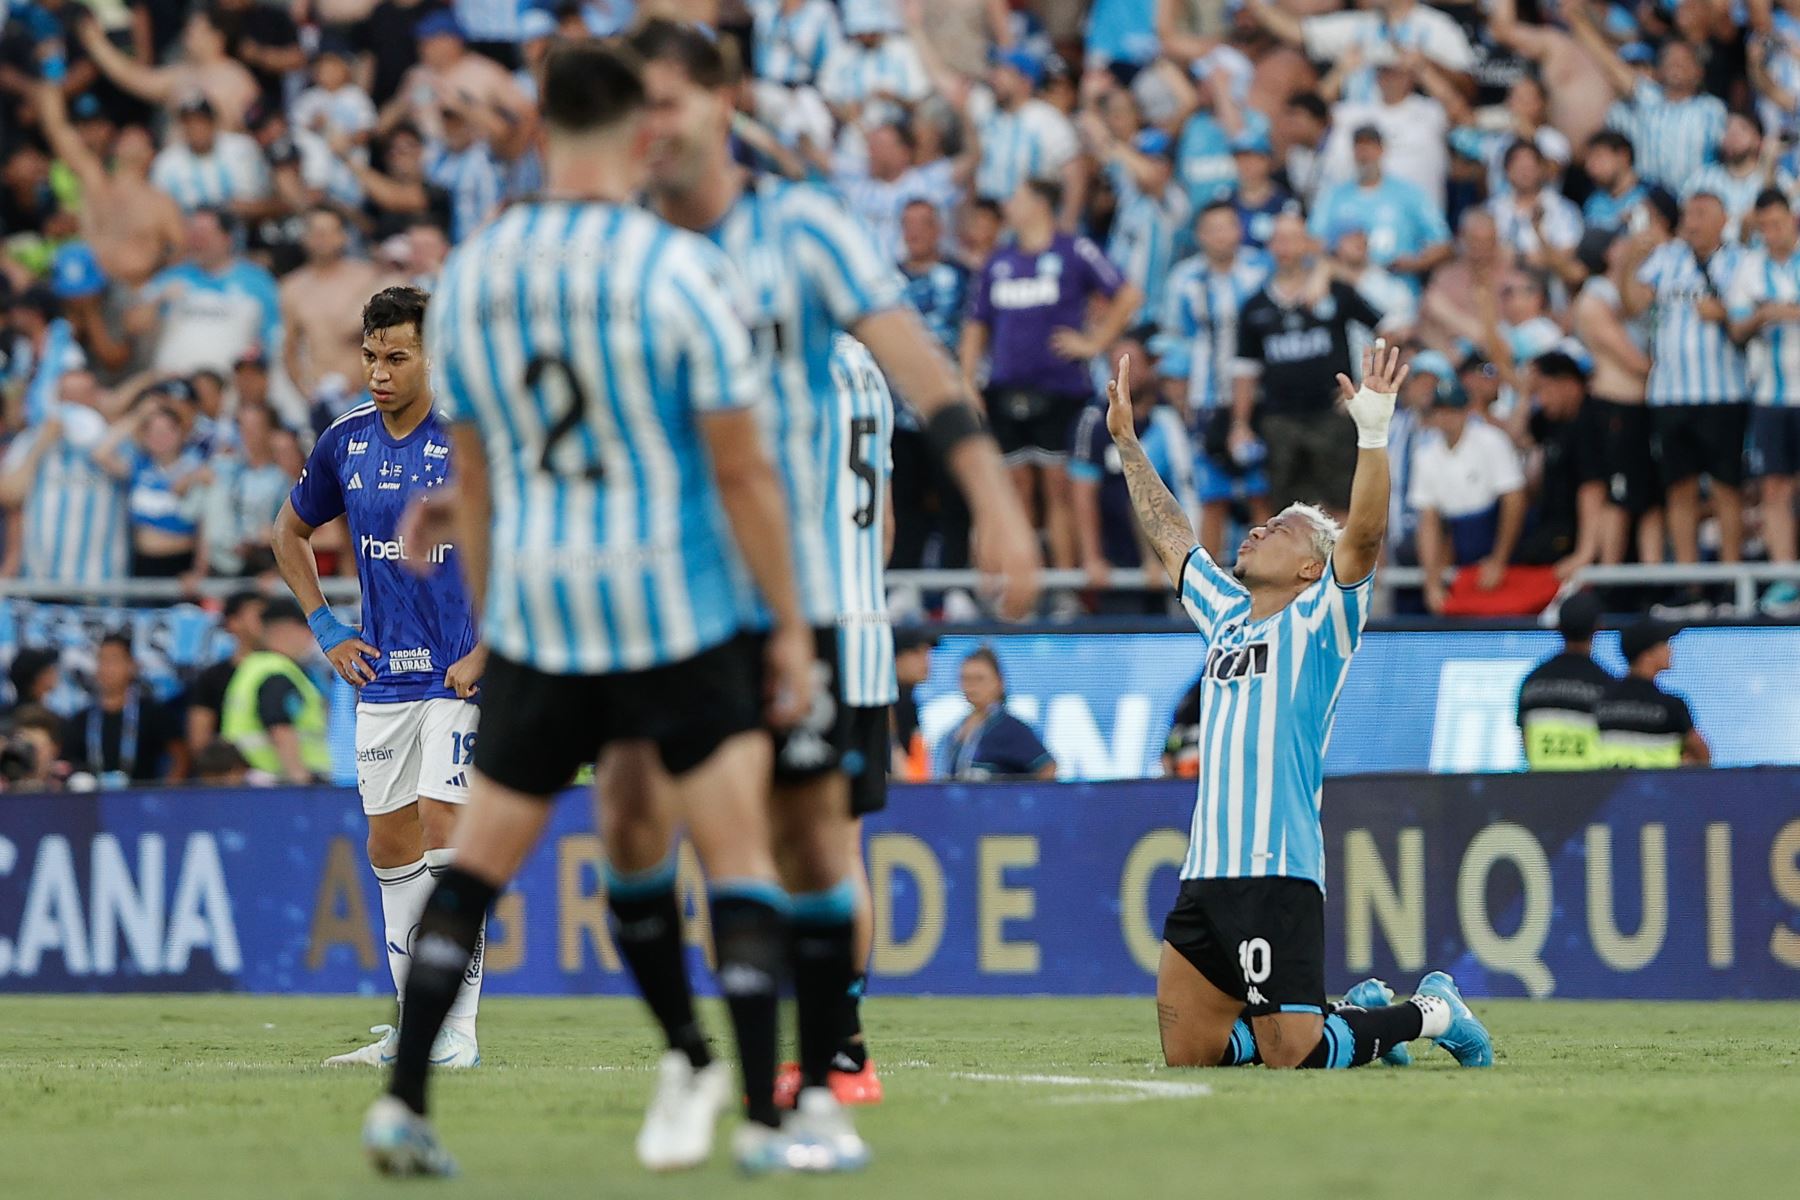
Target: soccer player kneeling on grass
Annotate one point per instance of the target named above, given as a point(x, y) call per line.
point(416, 662)
point(1242, 976)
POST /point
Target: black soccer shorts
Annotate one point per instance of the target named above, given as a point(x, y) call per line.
point(818, 744)
point(1261, 941)
point(537, 729)
point(866, 760)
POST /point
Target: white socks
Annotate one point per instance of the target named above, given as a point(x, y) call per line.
point(468, 998)
point(1434, 1013)
point(404, 891)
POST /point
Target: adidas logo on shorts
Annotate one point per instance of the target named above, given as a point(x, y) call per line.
point(458, 780)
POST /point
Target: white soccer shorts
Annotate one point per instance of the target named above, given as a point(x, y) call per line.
point(414, 748)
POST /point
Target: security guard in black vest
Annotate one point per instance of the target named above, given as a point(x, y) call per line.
point(1640, 724)
point(1557, 700)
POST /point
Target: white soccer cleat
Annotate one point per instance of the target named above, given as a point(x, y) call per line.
point(825, 1138)
point(376, 1054)
point(760, 1150)
point(678, 1128)
point(453, 1050)
point(401, 1142)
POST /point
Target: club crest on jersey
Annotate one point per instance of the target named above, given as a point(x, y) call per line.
point(1226, 663)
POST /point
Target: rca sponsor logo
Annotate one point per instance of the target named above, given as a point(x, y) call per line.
point(355, 447)
point(376, 550)
point(433, 450)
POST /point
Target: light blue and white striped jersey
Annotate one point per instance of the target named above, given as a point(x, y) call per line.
point(61, 354)
point(234, 169)
point(1489, 147)
point(1774, 353)
point(1673, 138)
point(856, 74)
point(1204, 160)
point(1433, 33)
point(209, 319)
point(1737, 192)
point(1199, 323)
point(1603, 210)
point(75, 529)
point(1268, 694)
point(811, 271)
point(489, 20)
point(857, 467)
point(1033, 141)
point(1143, 236)
point(474, 179)
point(878, 203)
point(1691, 361)
point(587, 342)
point(791, 47)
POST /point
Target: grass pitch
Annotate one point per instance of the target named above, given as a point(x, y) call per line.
point(221, 1096)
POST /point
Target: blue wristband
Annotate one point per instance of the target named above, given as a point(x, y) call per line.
point(327, 629)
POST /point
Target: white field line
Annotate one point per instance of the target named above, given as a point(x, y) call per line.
point(1111, 1090)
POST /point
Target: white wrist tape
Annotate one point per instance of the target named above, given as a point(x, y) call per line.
point(1372, 411)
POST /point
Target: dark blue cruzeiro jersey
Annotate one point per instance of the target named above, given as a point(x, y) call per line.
point(421, 625)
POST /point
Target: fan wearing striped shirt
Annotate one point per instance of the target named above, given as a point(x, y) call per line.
point(1242, 975)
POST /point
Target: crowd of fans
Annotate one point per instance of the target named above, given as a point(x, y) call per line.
point(1577, 216)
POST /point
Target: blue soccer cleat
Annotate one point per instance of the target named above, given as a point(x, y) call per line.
point(400, 1142)
point(1373, 993)
point(1467, 1039)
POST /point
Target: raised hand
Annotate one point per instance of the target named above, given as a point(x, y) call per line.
point(1119, 419)
point(1372, 405)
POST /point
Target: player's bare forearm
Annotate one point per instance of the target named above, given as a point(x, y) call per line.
point(472, 511)
point(754, 505)
point(1366, 525)
point(1165, 526)
point(914, 363)
point(291, 540)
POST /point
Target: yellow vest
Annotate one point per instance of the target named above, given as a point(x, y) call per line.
point(1561, 743)
point(241, 724)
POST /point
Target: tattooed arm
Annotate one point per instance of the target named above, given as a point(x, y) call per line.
point(1165, 526)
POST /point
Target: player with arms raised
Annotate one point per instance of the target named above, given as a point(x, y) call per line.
point(416, 662)
point(1246, 938)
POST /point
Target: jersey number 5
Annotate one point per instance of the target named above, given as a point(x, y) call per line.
point(535, 370)
point(861, 430)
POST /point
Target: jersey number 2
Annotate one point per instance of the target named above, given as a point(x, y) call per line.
point(535, 370)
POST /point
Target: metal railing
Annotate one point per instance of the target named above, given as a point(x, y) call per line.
point(163, 591)
point(1745, 580)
